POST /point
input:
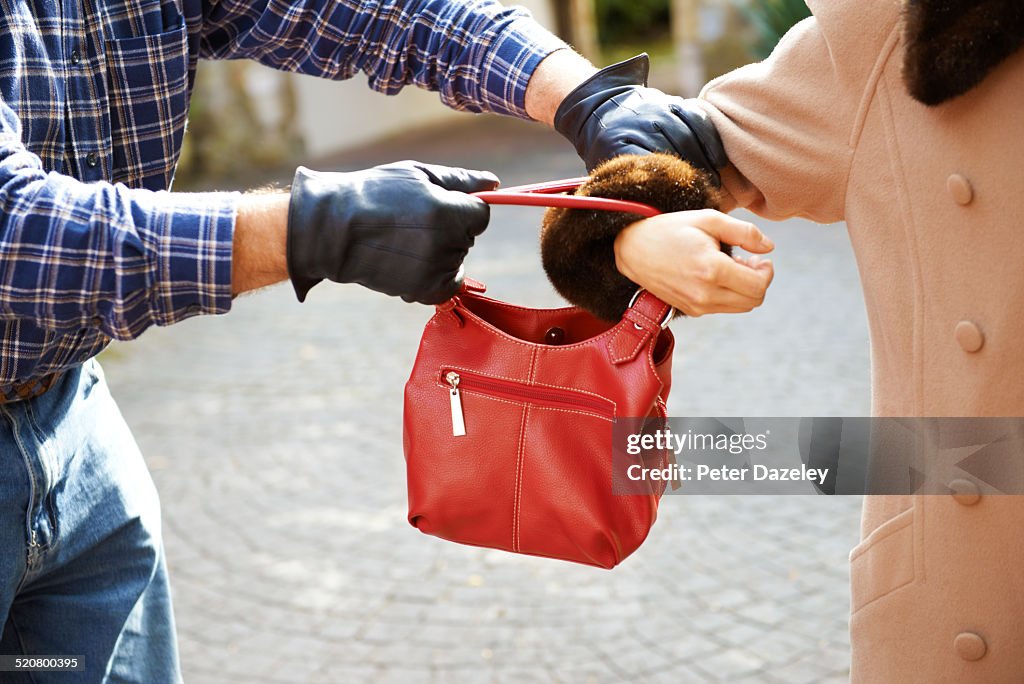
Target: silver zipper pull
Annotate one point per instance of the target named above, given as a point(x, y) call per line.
point(458, 422)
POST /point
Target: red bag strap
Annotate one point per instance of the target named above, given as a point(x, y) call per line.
point(645, 318)
point(550, 194)
point(549, 187)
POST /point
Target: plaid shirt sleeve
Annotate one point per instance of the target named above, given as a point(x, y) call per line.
point(477, 53)
point(97, 255)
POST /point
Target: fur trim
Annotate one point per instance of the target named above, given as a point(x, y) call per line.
point(578, 246)
point(952, 45)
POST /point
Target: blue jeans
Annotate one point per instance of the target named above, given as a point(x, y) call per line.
point(82, 568)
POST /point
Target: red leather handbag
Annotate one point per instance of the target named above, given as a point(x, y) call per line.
point(509, 414)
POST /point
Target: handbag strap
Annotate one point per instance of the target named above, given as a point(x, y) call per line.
point(551, 194)
point(642, 322)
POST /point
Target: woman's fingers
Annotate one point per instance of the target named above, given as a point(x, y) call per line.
point(678, 257)
point(731, 231)
point(741, 278)
point(722, 300)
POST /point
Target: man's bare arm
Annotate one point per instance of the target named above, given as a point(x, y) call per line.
point(259, 242)
point(555, 77)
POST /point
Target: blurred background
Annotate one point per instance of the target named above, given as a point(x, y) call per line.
point(274, 434)
point(300, 117)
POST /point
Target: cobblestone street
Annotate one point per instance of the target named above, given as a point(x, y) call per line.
point(275, 438)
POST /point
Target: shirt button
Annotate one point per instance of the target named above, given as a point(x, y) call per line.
point(970, 646)
point(76, 57)
point(92, 160)
point(965, 492)
point(960, 188)
point(969, 336)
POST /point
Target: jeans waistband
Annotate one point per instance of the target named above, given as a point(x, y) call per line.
point(29, 389)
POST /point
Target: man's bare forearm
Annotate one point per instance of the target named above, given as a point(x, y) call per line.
point(555, 77)
point(259, 243)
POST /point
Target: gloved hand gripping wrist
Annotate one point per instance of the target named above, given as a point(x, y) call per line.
point(614, 113)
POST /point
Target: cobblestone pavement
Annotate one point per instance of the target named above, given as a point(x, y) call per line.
point(274, 436)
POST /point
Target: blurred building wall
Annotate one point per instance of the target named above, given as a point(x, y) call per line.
point(334, 116)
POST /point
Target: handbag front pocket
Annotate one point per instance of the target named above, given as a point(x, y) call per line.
point(456, 381)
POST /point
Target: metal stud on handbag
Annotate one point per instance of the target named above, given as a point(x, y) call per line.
point(509, 413)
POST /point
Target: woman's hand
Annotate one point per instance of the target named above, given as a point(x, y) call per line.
point(678, 257)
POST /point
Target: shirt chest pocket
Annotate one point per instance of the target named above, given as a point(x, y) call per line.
point(147, 81)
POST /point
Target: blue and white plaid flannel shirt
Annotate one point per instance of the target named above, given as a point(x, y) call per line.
point(95, 95)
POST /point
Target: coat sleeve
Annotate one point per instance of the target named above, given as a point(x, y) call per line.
point(790, 124)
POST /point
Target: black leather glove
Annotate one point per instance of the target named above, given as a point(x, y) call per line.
point(402, 229)
point(614, 113)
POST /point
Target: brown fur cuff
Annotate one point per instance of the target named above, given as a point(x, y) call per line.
point(952, 45)
point(578, 245)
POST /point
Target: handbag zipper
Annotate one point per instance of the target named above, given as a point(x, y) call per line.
point(458, 421)
point(515, 391)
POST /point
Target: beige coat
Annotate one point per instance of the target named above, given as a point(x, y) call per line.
point(934, 203)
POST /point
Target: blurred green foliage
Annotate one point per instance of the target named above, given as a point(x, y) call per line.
point(628, 27)
point(771, 19)
point(629, 21)
point(754, 27)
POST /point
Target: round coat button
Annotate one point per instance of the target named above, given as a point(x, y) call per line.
point(969, 336)
point(965, 492)
point(92, 160)
point(970, 646)
point(960, 188)
point(76, 57)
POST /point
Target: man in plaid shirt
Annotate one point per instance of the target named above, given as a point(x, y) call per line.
point(93, 102)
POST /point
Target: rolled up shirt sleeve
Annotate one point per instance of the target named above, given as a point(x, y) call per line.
point(478, 54)
point(76, 255)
